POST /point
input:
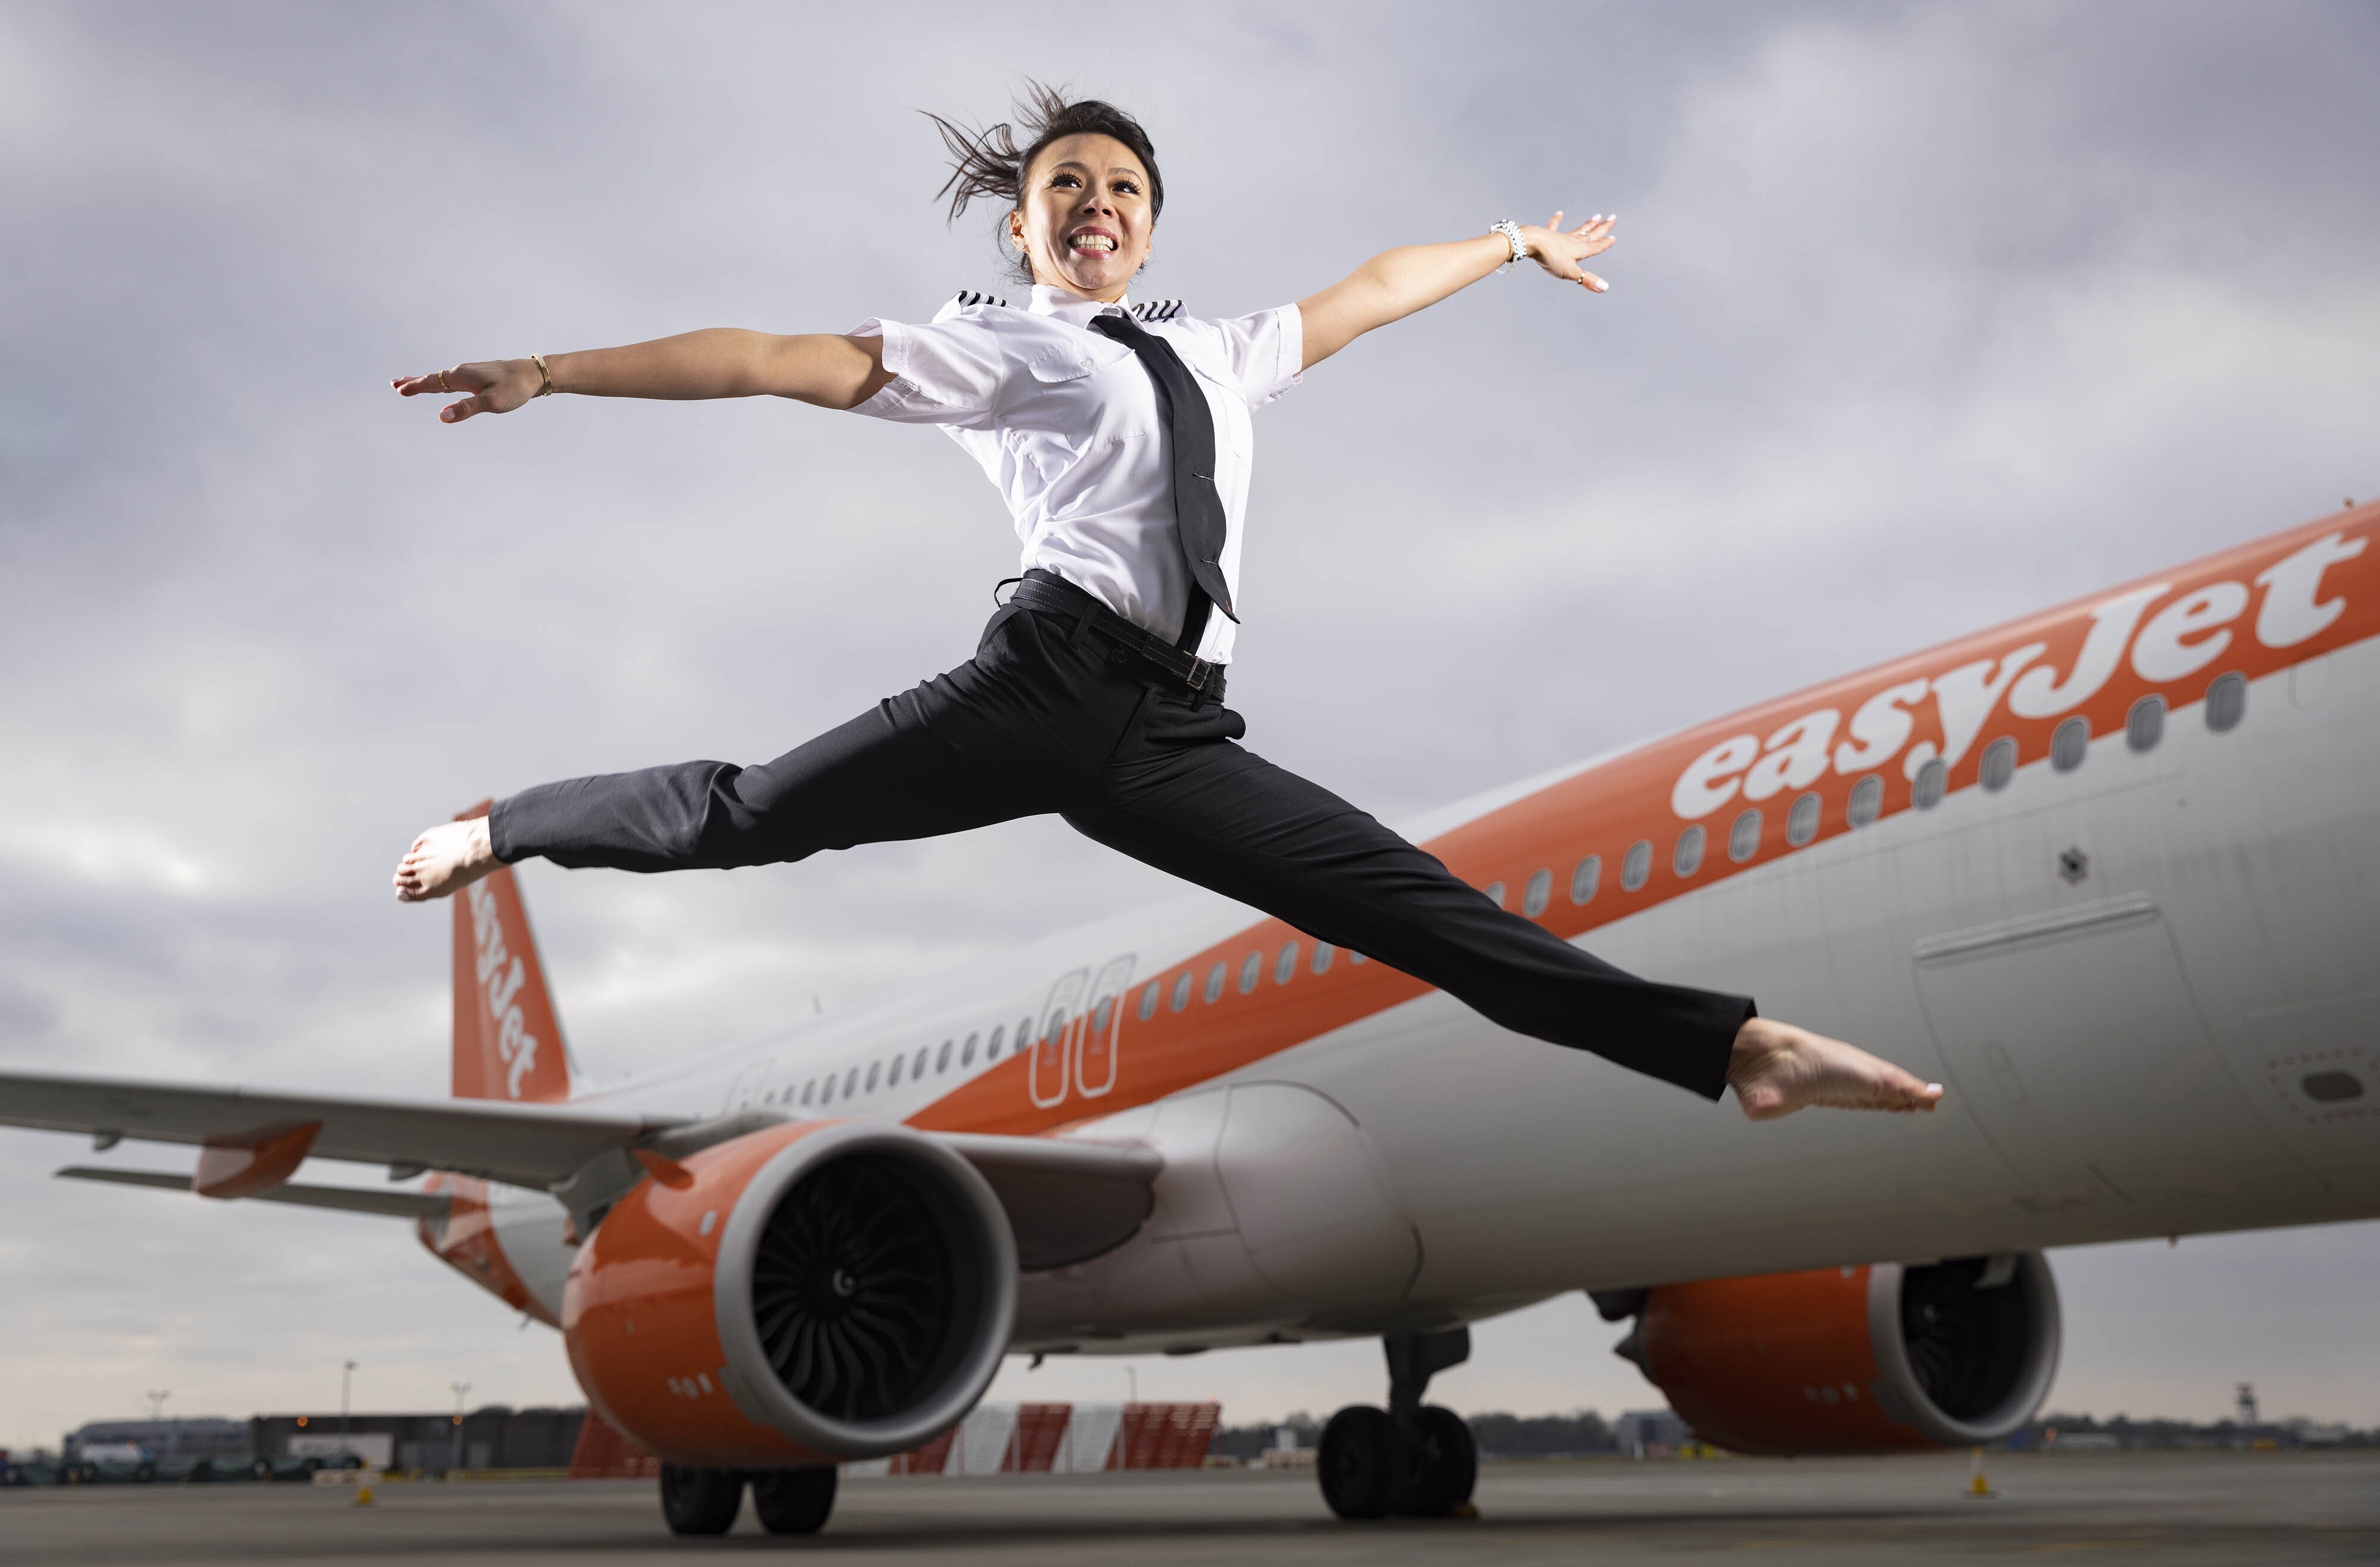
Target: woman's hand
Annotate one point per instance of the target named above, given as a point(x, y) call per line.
point(496, 386)
point(1559, 253)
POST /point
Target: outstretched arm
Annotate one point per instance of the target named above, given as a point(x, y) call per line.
point(1395, 284)
point(833, 373)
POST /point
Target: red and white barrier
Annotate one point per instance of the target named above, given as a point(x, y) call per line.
point(1065, 1439)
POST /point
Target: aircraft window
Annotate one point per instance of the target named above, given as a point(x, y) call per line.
point(1688, 857)
point(873, 1067)
point(850, 1082)
point(1148, 1001)
point(1538, 893)
point(2144, 726)
point(1182, 991)
point(1023, 1032)
point(1801, 822)
point(2226, 701)
point(1494, 892)
point(1636, 865)
point(1099, 1017)
point(2331, 1088)
point(942, 1058)
point(826, 1089)
point(1215, 980)
point(1322, 951)
point(918, 1067)
point(1583, 881)
point(894, 1076)
point(966, 1051)
point(2069, 744)
point(1250, 972)
point(1926, 793)
point(1998, 764)
point(810, 1091)
point(1868, 800)
point(1284, 967)
point(1744, 838)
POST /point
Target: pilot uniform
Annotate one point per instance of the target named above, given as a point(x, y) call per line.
point(1119, 435)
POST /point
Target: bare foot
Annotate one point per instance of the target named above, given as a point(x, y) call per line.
point(1779, 1069)
point(452, 855)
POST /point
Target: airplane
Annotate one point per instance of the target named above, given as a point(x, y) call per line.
point(2111, 872)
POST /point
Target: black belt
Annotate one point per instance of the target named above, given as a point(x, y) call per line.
point(1039, 589)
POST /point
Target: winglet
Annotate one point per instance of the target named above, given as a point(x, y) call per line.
point(507, 1040)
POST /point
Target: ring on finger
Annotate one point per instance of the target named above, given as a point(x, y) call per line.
point(442, 382)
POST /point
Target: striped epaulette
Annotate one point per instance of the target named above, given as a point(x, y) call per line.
point(1155, 310)
point(968, 298)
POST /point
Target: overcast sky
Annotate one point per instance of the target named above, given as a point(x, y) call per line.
point(1923, 317)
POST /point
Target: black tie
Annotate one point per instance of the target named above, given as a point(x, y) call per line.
point(1197, 508)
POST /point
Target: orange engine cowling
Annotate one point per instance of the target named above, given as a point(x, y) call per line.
point(802, 1294)
point(1855, 1359)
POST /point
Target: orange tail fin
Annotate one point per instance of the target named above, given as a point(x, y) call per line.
point(507, 1040)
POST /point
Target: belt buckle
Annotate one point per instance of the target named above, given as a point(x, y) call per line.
point(1199, 670)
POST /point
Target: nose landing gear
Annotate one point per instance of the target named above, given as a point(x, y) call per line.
point(1411, 1459)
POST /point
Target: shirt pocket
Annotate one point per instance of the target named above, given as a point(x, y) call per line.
point(1063, 362)
point(1229, 408)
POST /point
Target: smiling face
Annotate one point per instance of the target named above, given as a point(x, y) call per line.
point(1084, 220)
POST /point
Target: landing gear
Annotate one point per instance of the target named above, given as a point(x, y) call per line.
point(701, 1502)
point(1411, 1459)
point(794, 1502)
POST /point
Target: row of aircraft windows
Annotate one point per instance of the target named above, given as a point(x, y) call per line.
point(889, 1073)
point(2226, 704)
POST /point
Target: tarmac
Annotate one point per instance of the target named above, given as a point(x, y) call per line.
point(2162, 1507)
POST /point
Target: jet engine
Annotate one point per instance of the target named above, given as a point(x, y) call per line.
point(798, 1295)
point(1852, 1359)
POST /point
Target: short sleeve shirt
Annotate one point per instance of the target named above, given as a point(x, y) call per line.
point(1066, 424)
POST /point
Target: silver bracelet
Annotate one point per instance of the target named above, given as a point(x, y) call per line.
point(1512, 233)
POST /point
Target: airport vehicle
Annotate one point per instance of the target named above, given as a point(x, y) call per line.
point(2110, 872)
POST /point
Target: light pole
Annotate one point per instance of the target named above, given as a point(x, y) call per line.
point(455, 1459)
point(157, 1397)
point(346, 1384)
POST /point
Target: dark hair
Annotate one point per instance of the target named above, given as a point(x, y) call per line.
point(990, 163)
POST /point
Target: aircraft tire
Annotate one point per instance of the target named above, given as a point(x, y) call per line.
point(794, 1502)
point(1440, 1469)
point(701, 1502)
point(1356, 1462)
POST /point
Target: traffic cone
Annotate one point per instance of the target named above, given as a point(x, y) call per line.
point(363, 1495)
point(1976, 1485)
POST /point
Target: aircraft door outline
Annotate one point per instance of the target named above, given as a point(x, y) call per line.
point(1099, 1031)
point(1045, 1068)
point(745, 1091)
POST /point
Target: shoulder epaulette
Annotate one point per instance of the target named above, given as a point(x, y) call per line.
point(968, 298)
point(1155, 310)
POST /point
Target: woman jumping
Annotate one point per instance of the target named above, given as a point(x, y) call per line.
point(1119, 434)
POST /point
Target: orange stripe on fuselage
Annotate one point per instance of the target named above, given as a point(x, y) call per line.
point(1604, 809)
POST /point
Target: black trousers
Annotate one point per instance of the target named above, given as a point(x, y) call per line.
point(1044, 719)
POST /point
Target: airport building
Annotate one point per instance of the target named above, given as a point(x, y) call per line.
point(492, 1437)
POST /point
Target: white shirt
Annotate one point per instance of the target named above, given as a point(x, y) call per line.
point(1067, 426)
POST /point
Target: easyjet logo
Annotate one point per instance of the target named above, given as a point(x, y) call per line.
point(500, 977)
point(2184, 634)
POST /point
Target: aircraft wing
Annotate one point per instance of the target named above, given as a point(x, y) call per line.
point(347, 1199)
point(523, 1145)
point(1067, 1200)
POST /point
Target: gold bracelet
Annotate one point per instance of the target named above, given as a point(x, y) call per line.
point(544, 376)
